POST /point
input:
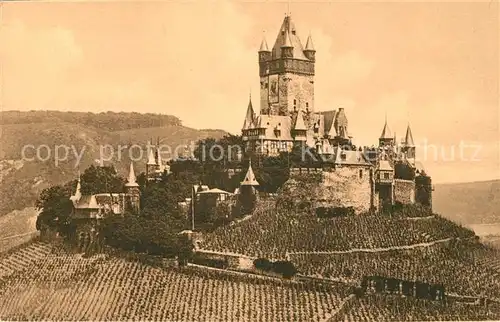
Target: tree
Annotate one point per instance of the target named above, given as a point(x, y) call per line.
point(101, 179)
point(55, 207)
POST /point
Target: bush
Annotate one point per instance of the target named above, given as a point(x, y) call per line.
point(285, 268)
point(263, 264)
point(331, 212)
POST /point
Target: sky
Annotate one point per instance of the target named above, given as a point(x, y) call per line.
point(432, 65)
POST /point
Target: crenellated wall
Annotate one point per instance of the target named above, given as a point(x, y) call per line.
point(404, 191)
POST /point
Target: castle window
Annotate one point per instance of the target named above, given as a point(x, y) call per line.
point(307, 104)
point(386, 175)
point(294, 103)
point(361, 173)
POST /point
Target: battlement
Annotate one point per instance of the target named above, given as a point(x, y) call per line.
point(286, 65)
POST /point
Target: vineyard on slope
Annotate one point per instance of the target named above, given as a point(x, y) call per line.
point(60, 286)
point(465, 268)
point(273, 233)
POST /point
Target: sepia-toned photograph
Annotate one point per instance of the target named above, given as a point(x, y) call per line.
point(233, 160)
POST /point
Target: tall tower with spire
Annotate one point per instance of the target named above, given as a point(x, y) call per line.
point(132, 191)
point(286, 73)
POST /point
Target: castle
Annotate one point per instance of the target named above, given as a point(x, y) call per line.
point(369, 178)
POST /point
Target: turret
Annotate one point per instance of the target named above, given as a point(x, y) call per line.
point(310, 52)
point(264, 52)
point(248, 191)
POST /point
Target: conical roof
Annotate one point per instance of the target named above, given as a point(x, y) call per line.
point(249, 116)
point(131, 181)
point(299, 122)
point(309, 44)
point(250, 177)
point(288, 41)
point(263, 45)
point(409, 137)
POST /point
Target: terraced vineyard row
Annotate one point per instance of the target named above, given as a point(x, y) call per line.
point(22, 258)
point(70, 287)
point(274, 233)
point(391, 308)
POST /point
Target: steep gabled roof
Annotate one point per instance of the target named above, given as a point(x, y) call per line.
point(87, 202)
point(386, 132)
point(288, 30)
point(299, 122)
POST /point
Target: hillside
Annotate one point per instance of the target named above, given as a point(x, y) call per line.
point(469, 203)
point(22, 180)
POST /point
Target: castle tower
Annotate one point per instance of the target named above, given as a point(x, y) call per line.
point(384, 181)
point(132, 191)
point(248, 192)
point(286, 73)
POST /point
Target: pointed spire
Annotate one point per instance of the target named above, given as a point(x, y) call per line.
point(151, 156)
point(386, 132)
point(250, 177)
point(299, 122)
point(263, 45)
point(78, 193)
point(249, 117)
point(409, 137)
point(131, 181)
point(309, 44)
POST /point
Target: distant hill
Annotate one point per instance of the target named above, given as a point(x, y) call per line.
point(22, 180)
point(469, 203)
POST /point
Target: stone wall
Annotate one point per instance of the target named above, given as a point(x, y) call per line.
point(404, 191)
point(340, 187)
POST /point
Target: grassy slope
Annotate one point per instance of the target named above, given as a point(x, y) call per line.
point(469, 203)
point(21, 183)
point(16, 226)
